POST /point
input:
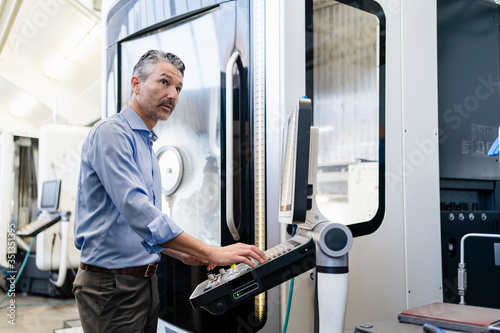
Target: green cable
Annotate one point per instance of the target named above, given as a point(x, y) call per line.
point(289, 305)
point(20, 271)
point(290, 292)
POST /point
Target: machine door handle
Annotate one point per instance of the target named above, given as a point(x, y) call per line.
point(229, 146)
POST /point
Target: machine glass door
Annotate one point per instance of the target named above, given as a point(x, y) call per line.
point(188, 148)
point(206, 168)
point(345, 79)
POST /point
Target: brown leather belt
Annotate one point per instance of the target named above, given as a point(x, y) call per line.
point(144, 271)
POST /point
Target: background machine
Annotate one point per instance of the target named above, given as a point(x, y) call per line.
point(468, 122)
point(39, 180)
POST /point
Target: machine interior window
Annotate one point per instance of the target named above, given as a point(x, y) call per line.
point(345, 79)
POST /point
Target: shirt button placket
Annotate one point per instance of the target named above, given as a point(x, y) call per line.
point(152, 163)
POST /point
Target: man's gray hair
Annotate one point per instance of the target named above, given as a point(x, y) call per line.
point(146, 63)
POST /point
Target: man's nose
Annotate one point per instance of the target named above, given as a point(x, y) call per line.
point(173, 93)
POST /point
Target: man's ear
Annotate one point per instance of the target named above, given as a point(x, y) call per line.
point(136, 84)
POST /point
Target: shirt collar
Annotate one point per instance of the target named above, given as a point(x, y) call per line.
point(136, 123)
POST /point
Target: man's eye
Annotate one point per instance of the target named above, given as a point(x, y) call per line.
point(163, 81)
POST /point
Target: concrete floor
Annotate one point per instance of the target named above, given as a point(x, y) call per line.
point(48, 315)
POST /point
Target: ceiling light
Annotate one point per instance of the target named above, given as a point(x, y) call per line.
point(22, 104)
point(71, 46)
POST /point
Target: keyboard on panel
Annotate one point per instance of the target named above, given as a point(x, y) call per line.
point(225, 290)
point(39, 225)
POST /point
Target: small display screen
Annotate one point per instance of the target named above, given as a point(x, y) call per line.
point(288, 162)
point(50, 195)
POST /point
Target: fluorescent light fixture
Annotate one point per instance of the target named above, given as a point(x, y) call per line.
point(22, 104)
point(73, 46)
point(8, 14)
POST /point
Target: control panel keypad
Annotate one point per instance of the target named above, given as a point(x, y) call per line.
point(235, 270)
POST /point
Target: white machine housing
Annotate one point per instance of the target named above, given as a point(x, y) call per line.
point(59, 151)
point(392, 266)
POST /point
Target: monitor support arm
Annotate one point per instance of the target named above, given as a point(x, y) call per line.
point(333, 242)
point(63, 267)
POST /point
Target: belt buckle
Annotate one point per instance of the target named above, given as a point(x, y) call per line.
point(153, 268)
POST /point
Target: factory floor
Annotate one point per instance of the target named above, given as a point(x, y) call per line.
point(38, 314)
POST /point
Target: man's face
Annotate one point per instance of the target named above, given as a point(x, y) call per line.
point(159, 93)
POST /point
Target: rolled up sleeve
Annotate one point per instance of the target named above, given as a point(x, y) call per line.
point(162, 229)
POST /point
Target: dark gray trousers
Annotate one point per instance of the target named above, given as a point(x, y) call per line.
point(116, 303)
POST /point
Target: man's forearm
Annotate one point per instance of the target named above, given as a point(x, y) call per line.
point(173, 253)
point(185, 243)
point(227, 255)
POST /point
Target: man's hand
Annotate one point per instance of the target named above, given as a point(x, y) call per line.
point(236, 253)
point(221, 256)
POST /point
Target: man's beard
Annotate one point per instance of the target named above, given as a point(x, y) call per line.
point(158, 115)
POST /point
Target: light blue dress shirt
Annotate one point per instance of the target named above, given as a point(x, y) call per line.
point(119, 222)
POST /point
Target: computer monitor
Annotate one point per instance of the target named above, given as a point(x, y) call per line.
point(295, 164)
point(51, 190)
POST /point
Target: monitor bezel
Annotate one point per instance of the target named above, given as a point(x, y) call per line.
point(53, 206)
point(297, 211)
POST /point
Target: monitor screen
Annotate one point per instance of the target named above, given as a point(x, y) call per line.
point(49, 200)
point(295, 164)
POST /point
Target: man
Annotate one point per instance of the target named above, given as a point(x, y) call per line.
point(119, 226)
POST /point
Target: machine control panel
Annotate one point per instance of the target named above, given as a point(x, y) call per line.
point(227, 289)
